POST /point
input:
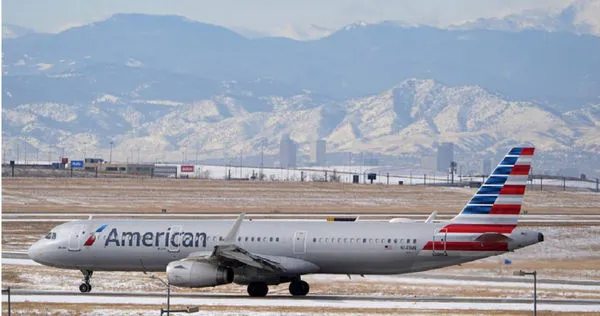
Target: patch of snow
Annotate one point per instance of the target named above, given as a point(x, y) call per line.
point(44, 66)
point(133, 63)
point(159, 102)
point(107, 98)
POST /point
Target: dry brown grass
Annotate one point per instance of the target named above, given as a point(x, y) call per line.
point(219, 196)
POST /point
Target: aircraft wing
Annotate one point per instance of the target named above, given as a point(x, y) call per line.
point(229, 254)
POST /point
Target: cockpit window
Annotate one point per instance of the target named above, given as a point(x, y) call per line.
point(50, 235)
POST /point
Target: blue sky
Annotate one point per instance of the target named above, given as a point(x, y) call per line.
point(264, 15)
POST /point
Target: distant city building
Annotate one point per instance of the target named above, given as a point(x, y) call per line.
point(486, 166)
point(429, 162)
point(287, 152)
point(445, 155)
point(318, 152)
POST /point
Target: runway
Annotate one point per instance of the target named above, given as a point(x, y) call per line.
point(324, 301)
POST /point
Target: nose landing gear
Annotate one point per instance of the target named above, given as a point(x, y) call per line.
point(86, 287)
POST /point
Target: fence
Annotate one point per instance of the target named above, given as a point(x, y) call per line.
point(536, 182)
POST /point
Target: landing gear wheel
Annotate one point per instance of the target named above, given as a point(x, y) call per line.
point(85, 287)
point(299, 288)
point(258, 289)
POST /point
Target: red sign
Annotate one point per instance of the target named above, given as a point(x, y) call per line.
point(64, 160)
point(187, 168)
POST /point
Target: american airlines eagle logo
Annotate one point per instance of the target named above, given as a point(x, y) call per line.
point(90, 241)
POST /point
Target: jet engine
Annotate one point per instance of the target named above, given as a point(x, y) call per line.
point(197, 274)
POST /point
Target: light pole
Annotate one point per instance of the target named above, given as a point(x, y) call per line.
point(534, 273)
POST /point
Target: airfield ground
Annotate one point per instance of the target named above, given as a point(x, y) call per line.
point(571, 252)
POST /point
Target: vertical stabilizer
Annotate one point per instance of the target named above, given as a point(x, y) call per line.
point(497, 204)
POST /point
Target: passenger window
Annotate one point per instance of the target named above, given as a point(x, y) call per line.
point(345, 240)
point(239, 238)
point(408, 241)
point(364, 240)
point(320, 239)
point(246, 239)
point(314, 239)
point(277, 239)
point(271, 239)
point(389, 241)
point(395, 241)
point(370, 240)
point(414, 241)
point(339, 240)
point(257, 238)
point(252, 239)
point(220, 238)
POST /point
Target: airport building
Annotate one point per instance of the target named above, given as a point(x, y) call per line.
point(319, 152)
point(445, 155)
point(288, 150)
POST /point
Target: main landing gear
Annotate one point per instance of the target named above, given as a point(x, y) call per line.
point(299, 287)
point(86, 286)
point(260, 289)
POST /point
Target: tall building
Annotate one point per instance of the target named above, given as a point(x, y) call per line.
point(287, 152)
point(445, 155)
point(318, 152)
point(486, 166)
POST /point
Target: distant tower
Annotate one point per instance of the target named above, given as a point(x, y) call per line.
point(445, 155)
point(287, 152)
point(486, 166)
point(318, 153)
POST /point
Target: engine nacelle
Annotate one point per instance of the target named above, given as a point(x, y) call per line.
point(197, 274)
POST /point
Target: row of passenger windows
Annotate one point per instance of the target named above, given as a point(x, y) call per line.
point(340, 240)
point(246, 239)
point(259, 239)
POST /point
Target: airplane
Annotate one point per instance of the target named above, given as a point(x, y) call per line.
point(207, 253)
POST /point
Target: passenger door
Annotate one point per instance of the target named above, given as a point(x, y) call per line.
point(76, 238)
point(175, 238)
point(300, 242)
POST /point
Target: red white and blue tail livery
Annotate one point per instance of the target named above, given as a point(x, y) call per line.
point(487, 221)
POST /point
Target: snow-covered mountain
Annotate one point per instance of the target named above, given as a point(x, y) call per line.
point(410, 118)
point(580, 17)
point(14, 31)
point(357, 60)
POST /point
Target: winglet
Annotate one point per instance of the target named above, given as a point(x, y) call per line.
point(233, 232)
point(431, 217)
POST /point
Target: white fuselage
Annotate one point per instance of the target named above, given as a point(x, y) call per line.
point(333, 247)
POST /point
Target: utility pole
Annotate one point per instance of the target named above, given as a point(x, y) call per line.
point(110, 156)
point(262, 153)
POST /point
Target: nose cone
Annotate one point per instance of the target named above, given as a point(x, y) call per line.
point(36, 252)
point(540, 237)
